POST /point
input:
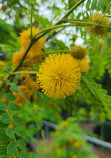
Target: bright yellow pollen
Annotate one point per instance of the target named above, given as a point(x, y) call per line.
point(84, 64)
point(24, 40)
point(59, 75)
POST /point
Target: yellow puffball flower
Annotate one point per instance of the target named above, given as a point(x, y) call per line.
point(76, 144)
point(24, 40)
point(2, 63)
point(78, 52)
point(98, 18)
point(59, 75)
point(20, 99)
point(84, 64)
point(74, 156)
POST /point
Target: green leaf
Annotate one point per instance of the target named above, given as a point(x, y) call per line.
point(21, 144)
point(10, 132)
point(3, 137)
point(94, 3)
point(5, 118)
point(13, 107)
point(24, 154)
point(10, 97)
point(12, 148)
point(1, 95)
point(88, 4)
point(17, 120)
point(3, 150)
point(2, 125)
point(20, 132)
point(71, 3)
point(3, 106)
point(14, 88)
point(106, 3)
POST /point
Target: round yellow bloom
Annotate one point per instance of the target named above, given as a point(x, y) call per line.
point(98, 18)
point(78, 52)
point(20, 100)
point(24, 40)
point(84, 64)
point(59, 75)
point(77, 144)
point(2, 63)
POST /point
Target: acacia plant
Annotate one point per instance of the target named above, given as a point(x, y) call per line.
point(42, 76)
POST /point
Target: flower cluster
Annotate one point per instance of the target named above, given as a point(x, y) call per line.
point(67, 142)
point(34, 56)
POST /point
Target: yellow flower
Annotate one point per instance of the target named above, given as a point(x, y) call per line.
point(74, 156)
point(21, 100)
point(59, 75)
point(24, 40)
point(2, 63)
point(76, 144)
point(28, 81)
point(70, 139)
point(98, 18)
point(18, 56)
point(84, 64)
point(78, 52)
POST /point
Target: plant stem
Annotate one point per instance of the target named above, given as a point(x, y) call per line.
point(25, 72)
point(31, 21)
point(49, 52)
point(107, 8)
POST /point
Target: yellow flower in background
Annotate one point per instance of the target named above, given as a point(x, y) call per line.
point(76, 144)
point(24, 40)
point(70, 139)
point(59, 75)
point(20, 99)
point(98, 18)
point(74, 156)
point(78, 52)
point(84, 64)
point(28, 81)
point(2, 63)
point(19, 55)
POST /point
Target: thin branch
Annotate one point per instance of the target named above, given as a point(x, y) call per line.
point(25, 72)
